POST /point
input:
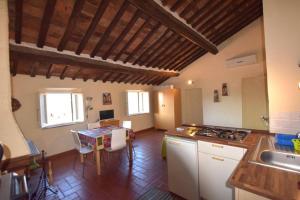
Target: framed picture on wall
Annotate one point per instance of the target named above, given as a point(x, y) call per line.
point(106, 96)
point(224, 89)
point(216, 96)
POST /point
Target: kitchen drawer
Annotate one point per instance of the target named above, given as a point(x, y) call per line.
point(227, 151)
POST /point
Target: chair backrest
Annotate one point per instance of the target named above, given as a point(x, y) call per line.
point(77, 141)
point(126, 124)
point(93, 125)
point(118, 139)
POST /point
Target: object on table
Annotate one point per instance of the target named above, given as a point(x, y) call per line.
point(284, 139)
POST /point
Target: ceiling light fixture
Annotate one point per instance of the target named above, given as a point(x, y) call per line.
point(190, 82)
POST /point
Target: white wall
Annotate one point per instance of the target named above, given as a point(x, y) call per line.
point(282, 35)
point(209, 72)
point(10, 134)
point(57, 140)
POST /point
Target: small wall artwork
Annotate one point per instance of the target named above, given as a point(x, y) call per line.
point(216, 96)
point(224, 89)
point(107, 98)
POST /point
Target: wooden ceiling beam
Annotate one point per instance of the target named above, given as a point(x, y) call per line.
point(122, 35)
point(48, 74)
point(78, 5)
point(122, 78)
point(141, 44)
point(143, 79)
point(187, 62)
point(99, 77)
point(132, 81)
point(161, 81)
point(99, 13)
point(150, 80)
point(14, 70)
point(117, 77)
point(152, 46)
point(45, 23)
point(33, 68)
point(157, 12)
point(107, 77)
point(153, 81)
point(109, 29)
point(19, 51)
point(129, 78)
point(130, 41)
point(62, 75)
point(18, 20)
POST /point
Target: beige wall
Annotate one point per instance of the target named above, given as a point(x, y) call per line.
point(192, 108)
point(10, 134)
point(254, 96)
point(56, 140)
point(209, 72)
point(282, 38)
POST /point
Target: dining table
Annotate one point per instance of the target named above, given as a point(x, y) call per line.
point(100, 138)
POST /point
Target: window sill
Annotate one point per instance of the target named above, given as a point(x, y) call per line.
point(138, 114)
point(61, 125)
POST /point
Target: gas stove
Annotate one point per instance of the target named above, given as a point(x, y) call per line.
point(224, 133)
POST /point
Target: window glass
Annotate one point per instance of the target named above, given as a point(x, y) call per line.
point(138, 102)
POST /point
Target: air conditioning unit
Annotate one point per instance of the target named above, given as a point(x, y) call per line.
point(245, 60)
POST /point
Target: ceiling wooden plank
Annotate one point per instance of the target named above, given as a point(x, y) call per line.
point(19, 51)
point(99, 13)
point(122, 35)
point(134, 80)
point(188, 9)
point(77, 74)
point(141, 44)
point(62, 75)
point(131, 40)
point(167, 49)
point(18, 20)
point(200, 12)
point(143, 80)
point(107, 77)
point(173, 55)
point(122, 78)
point(159, 51)
point(187, 62)
point(48, 74)
point(71, 24)
point(150, 80)
point(99, 77)
point(109, 29)
point(116, 77)
point(138, 80)
point(129, 78)
point(176, 5)
point(151, 47)
point(161, 81)
point(45, 23)
point(183, 55)
point(208, 16)
point(156, 11)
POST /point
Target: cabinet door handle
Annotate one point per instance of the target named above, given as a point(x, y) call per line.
point(176, 143)
point(217, 146)
point(219, 159)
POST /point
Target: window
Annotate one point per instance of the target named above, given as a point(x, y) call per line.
point(138, 102)
point(60, 109)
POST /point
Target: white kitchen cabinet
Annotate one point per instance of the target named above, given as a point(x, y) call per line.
point(182, 160)
point(216, 164)
point(245, 195)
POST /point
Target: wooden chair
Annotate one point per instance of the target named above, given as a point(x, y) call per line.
point(83, 150)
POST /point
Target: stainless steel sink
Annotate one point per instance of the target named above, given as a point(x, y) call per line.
point(285, 161)
point(268, 154)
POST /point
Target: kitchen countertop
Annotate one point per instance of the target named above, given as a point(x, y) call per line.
point(265, 181)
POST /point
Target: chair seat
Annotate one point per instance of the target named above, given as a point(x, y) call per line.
point(85, 149)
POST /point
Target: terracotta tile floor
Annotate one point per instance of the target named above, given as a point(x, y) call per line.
point(118, 180)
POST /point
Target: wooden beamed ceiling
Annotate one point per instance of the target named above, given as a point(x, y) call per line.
point(140, 33)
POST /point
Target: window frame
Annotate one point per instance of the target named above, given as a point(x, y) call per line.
point(43, 111)
point(127, 102)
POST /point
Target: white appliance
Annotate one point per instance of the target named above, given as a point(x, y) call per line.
point(240, 61)
point(216, 164)
point(182, 160)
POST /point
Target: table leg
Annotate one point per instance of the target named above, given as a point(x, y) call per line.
point(81, 158)
point(130, 150)
point(98, 164)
